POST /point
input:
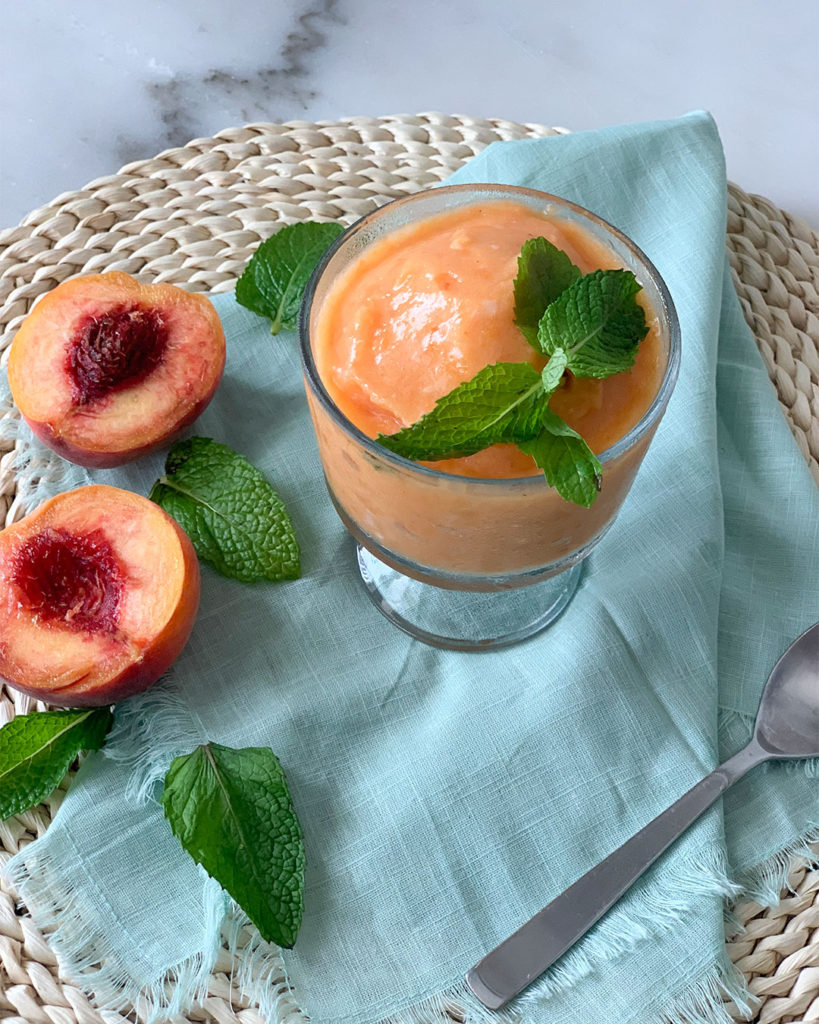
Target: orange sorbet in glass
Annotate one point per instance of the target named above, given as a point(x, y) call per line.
point(417, 298)
point(430, 305)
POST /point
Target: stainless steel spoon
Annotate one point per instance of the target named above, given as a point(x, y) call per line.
point(787, 725)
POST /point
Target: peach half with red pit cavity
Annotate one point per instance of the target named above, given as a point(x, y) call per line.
point(99, 589)
point(105, 369)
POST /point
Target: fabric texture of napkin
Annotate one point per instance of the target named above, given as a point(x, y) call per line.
point(445, 797)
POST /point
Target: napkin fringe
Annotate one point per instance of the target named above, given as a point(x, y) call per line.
point(704, 1002)
point(259, 970)
point(148, 736)
point(458, 999)
point(764, 883)
point(652, 911)
point(260, 974)
point(151, 732)
point(137, 742)
point(38, 475)
point(87, 955)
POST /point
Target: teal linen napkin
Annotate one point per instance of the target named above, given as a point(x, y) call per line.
point(445, 797)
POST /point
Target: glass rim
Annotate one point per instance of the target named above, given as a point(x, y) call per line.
point(646, 421)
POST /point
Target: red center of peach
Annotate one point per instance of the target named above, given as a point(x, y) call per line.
point(72, 577)
point(115, 350)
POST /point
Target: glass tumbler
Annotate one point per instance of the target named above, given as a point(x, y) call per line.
point(455, 561)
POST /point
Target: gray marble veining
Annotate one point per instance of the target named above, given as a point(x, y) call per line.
point(87, 87)
point(269, 93)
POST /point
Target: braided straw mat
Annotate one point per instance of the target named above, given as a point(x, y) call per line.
point(193, 216)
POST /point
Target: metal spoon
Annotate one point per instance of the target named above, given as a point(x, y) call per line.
point(787, 725)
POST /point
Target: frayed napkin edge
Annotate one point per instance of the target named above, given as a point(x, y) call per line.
point(260, 974)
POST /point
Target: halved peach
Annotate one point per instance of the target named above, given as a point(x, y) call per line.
point(105, 369)
point(99, 589)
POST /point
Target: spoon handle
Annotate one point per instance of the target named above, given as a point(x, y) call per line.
point(518, 960)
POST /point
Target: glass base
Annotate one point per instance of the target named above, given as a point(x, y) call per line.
point(463, 620)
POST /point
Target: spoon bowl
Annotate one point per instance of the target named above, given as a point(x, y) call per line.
point(787, 723)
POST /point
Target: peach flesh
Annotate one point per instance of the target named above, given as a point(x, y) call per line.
point(99, 589)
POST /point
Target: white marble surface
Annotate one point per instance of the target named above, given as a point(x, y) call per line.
point(89, 85)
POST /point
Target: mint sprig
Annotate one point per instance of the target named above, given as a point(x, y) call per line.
point(274, 280)
point(232, 812)
point(598, 322)
point(544, 272)
point(589, 325)
point(506, 403)
point(236, 521)
point(36, 751)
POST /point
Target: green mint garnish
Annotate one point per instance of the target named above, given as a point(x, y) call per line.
point(598, 322)
point(544, 271)
point(36, 751)
point(552, 373)
point(274, 280)
point(590, 326)
point(238, 524)
point(570, 466)
point(232, 812)
point(503, 402)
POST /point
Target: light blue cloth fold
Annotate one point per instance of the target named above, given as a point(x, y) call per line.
point(446, 797)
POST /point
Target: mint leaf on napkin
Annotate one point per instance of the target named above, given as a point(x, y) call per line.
point(36, 751)
point(501, 403)
point(569, 465)
point(231, 810)
point(274, 280)
point(598, 322)
point(544, 271)
point(238, 524)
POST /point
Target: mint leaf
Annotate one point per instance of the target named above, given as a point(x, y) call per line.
point(544, 271)
point(231, 810)
point(552, 373)
point(598, 322)
point(274, 280)
point(569, 465)
point(36, 751)
point(238, 524)
point(502, 403)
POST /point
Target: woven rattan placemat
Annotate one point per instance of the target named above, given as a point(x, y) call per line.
point(193, 216)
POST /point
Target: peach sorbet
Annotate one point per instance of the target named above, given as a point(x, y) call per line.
point(429, 306)
point(417, 312)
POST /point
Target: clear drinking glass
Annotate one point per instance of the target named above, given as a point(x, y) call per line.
point(456, 561)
